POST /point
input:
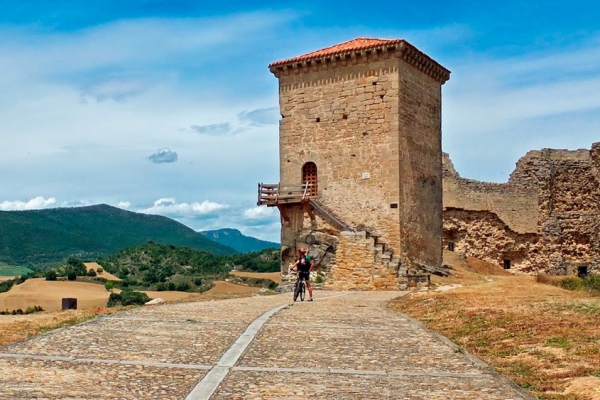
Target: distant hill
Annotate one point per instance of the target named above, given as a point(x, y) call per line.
point(49, 236)
point(234, 239)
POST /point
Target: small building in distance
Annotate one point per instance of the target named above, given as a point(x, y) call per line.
point(361, 163)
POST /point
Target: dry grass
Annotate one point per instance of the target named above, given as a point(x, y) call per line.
point(274, 276)
point(48, 295)
point(106, 275)
point(16, 328)
point(544, 338)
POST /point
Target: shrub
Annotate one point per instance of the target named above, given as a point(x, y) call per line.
point(571, 283)
point(198, 281)
point(183, 287)
point(161, 287)
point(109, 285)
point(51, 275)
point(6, 285)
point(127, 297)
point(171, 286)
point(99, 270)
point(72, 275)
point(91, 272)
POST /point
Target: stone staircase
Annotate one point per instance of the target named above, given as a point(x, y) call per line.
point(381, 253)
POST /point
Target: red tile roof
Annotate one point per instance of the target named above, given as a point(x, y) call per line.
point(406, 51)
point(349, 46)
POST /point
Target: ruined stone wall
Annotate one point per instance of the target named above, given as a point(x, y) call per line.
point(516, 205)
point(567, 186)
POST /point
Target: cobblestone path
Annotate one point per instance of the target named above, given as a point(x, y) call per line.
point(345, 345)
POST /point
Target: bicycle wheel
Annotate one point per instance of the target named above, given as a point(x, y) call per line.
point(302, 290)
point(296, 290)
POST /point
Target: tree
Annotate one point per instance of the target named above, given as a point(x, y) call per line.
point(51, 275)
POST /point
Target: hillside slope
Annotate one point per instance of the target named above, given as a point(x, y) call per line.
point(239, 242)
point(49, 236)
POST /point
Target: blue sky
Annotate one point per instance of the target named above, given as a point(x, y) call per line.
point(168, 107)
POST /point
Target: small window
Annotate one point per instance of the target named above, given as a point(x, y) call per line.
point(506, 264)
point(318, 119)
point(394, 205)
point(451, 246)
point(582, 271)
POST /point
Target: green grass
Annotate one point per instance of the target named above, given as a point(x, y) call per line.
point(13, 270)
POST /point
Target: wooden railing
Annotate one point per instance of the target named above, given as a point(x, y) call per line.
point(271, 194)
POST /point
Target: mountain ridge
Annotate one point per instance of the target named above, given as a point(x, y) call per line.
point(238, 241)
point(34, 237)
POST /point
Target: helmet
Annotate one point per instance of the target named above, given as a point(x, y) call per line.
point(303, 251)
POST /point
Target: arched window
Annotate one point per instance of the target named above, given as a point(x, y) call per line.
point(309, 175)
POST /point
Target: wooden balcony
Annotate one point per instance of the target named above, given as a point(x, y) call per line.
point(279, 195)
point(272, 194)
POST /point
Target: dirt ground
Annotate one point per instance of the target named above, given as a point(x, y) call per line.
point(274, 276)
point(544, 338)
point(106, 275)
point(6, 278)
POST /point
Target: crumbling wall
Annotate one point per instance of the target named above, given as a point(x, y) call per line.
point(566, 187)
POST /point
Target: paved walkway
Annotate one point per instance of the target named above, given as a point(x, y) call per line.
point(345, 345)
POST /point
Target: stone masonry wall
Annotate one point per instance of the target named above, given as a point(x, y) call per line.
point(420, 151)
point(567, 229)
point(355, 268)
point(372, 127)
point(342, 119)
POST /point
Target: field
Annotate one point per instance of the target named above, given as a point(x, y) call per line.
point(106, 275)
point(91, 301)
point(11, 270)
point(544, 338)
point(274, 276)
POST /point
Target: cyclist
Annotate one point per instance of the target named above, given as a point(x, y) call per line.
point(304, 264)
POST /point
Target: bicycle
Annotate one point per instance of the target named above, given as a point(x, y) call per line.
point(299, 288)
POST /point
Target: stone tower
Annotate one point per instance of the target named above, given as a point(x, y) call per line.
point(361, 162)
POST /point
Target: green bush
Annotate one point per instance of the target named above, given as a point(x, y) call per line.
point(571, 283)
point(161, 287)
point(99, 270)
point(127, 297)
point(72, 275)
point(109, 285)
point(6, 285)
point(91, 272)
point(198, 281)
point(183, 287)
point(592, 283)
point(50, 275)
point(171, 286)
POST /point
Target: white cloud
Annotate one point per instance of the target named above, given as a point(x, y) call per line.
point(497, 109)
point(170, 207)
point(124, 205)
point(33, 204)
point(259, 212)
